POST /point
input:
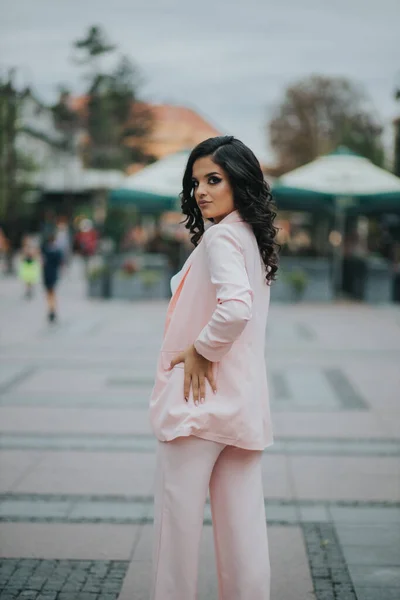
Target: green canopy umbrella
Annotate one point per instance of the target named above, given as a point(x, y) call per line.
point(341, 174)
point(145, 202)
point(292, 198)
point(155, 188)
point(346, 181)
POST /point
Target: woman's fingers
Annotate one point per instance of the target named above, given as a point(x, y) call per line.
point(195, 387)
point(198, 385)
point(186, 386)
point(202, 387)
point(211, 379)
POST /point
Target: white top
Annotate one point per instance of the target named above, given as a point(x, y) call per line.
point(175, 281)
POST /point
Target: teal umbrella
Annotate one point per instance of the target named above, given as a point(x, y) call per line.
point(292, 198)
point(347, 182)
point(145, 202)
point(341, 174)
point(155, 188)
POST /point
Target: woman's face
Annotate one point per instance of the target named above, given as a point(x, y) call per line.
point(212, 189)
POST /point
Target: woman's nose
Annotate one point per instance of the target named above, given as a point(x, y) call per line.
point(201, 190)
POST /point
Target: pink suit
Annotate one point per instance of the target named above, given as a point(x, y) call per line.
point(220, 303)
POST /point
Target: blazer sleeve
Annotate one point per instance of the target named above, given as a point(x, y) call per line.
point(233, 293)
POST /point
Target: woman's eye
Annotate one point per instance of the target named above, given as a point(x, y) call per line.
point(195, 184)
point(214, 180)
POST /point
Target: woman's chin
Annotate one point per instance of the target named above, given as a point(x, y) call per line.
point(207, 212)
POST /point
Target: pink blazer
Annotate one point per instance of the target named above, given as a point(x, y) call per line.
point(220, 304)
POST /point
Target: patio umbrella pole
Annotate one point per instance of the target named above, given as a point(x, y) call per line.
point(340, 217)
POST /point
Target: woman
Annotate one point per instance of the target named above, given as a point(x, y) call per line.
point(52, 261)
point(209, 406)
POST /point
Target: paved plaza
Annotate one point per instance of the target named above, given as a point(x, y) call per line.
point(77, 456)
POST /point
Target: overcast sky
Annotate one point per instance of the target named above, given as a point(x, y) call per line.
point(229, 59)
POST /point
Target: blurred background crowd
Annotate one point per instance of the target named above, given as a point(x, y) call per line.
point(98, 171)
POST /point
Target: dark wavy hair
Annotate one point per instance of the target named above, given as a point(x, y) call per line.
point(251, 193)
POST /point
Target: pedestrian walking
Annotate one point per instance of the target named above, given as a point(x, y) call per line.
point(52, 261)
point(63, 240)
point(209, 407)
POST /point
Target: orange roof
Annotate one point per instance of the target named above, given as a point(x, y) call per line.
point(174, 127)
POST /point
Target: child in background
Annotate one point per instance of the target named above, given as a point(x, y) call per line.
point(29, 270)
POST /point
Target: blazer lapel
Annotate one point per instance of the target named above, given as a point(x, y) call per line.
point(174, 299)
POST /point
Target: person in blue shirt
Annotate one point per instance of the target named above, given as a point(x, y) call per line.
point(52, 260)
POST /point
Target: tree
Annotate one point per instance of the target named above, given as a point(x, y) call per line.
point(397, 139)
point(316, 115)
point(93, 46)
point(16, 167)
point(114, 112)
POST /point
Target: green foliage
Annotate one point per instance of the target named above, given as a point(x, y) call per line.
point(117, 222)
point(94, 44)
point(298, 280)
point(65, 119)
point(317, 114)
point(111, 115)
point(16, 167)
point(149, 277)
point(97, 272)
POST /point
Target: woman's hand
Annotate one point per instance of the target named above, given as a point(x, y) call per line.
point(197, 370)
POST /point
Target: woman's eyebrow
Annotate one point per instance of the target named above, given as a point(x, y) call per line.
point(208, 175)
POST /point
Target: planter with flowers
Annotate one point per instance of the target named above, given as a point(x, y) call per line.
point(136, 280)
point(297, 281)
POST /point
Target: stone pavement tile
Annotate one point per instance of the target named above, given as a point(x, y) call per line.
point(109, 510)
point(276, 476)
point(13, 465)
point(391, 421)
point(313, 514)
point(346, 478)
point(368, 515)
point(143, 549)
point(137, 582)
point(383, 593)
point(335, 424)
point(10, 374)
point(117, 473)
point(17, 508)
point(289, 565)
point(384, 556)
point(381, 392)
point(18, 459)
point(72, 541)
point(8, 479)
point(309, 388)
point(123, 397)
point(76, 420)
point(290, 573)
point(378, 577)
point(71, 380)
point(281, 513)
point(370, 534)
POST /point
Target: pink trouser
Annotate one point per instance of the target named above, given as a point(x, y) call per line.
point(186, 468)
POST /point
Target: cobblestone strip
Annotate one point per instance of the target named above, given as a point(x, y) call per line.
point(35, 579)
point(328, 567)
